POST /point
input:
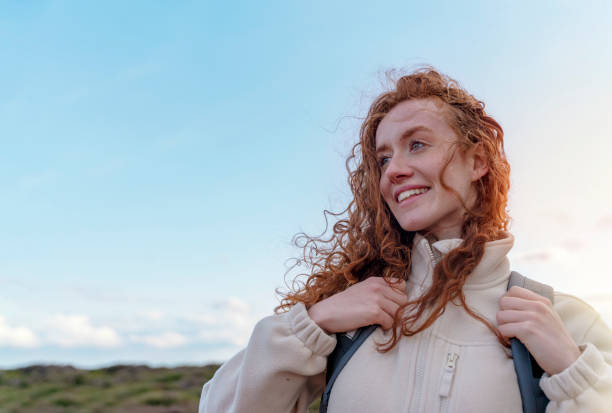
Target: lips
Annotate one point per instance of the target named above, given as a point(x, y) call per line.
point(407, 192)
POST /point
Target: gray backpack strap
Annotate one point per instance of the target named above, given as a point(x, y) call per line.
point(345, 348)
point(528, 372)
point(538, 288)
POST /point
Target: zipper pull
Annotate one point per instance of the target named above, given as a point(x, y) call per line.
point(448, 373)
point(451, 360)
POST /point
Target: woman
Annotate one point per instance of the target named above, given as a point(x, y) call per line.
point(422, 253)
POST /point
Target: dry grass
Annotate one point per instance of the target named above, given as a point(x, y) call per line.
point(116, 389)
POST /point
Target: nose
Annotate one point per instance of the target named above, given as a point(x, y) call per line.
point(398, 170)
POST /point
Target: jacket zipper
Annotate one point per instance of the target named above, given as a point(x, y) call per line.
point(448, 373)
point(415, 405)
point(435, 256)
point(422, 352)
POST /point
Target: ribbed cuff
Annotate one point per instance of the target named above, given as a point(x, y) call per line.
point(313, 336)
point(578, 377)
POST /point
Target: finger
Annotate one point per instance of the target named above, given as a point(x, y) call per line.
point(508, 330)
point(388, 306)
point(381, 312)
point(513, 303)
point(526, 294)
point(375, 284)
point(523, 330)
point(522, 304)
point(394, 290)
point(386, 321)
point(511, 316)
point(397, 296)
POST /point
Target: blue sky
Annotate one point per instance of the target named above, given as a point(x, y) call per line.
point(159, 156)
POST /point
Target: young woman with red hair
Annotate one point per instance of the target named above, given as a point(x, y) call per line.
point(420, 252)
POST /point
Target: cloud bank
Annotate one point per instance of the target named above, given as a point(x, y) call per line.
point(21, 337)
point(78, 331)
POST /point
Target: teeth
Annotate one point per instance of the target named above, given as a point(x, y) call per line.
point(411, 192)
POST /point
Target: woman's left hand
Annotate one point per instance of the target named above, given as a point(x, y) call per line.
point(531, 318)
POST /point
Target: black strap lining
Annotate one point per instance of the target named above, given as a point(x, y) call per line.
point(359, 338)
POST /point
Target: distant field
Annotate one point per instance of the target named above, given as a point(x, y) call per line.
point(116, 389)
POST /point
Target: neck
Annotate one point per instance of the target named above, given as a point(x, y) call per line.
point(436, 234)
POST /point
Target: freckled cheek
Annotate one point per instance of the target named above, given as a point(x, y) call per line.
point(384, 189)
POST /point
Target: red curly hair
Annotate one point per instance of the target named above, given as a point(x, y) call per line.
point(367, 241)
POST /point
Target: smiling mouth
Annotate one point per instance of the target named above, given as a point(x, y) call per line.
point(410, 193)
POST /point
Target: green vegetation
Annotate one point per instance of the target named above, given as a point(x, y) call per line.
point(116, 389)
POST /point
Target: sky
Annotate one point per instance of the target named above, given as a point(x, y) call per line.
point(158, 157)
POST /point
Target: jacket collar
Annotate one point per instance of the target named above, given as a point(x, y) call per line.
point(492, 269)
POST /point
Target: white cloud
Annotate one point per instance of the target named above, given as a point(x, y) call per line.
point(232, 304)
point(16, 336)
point(228, 321)
point(224, 336)
point(77, 331)
point(152, 315)
point(203, 318)
point(168, 339)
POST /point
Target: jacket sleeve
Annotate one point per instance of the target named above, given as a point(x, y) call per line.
point(586, 385)
point(281, 370)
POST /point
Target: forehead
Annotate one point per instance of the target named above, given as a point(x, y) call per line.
point(429, 113)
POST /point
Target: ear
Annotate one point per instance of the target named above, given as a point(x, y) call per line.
point(480, 166)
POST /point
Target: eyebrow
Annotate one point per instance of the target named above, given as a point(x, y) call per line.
point(407, 134)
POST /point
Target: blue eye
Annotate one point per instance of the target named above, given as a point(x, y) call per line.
point(416, 145)
point(383, 160)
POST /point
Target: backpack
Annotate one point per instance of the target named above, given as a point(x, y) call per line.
point(528, 372)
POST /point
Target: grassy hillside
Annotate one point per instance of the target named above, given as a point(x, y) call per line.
point(116, 389)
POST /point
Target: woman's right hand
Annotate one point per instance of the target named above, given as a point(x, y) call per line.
point(372, 301)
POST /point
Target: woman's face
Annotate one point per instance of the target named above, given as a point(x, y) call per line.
point(413, 144)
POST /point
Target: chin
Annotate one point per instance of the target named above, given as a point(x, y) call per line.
point(413, 226)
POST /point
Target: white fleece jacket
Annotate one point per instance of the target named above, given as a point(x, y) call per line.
point(457, 365)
